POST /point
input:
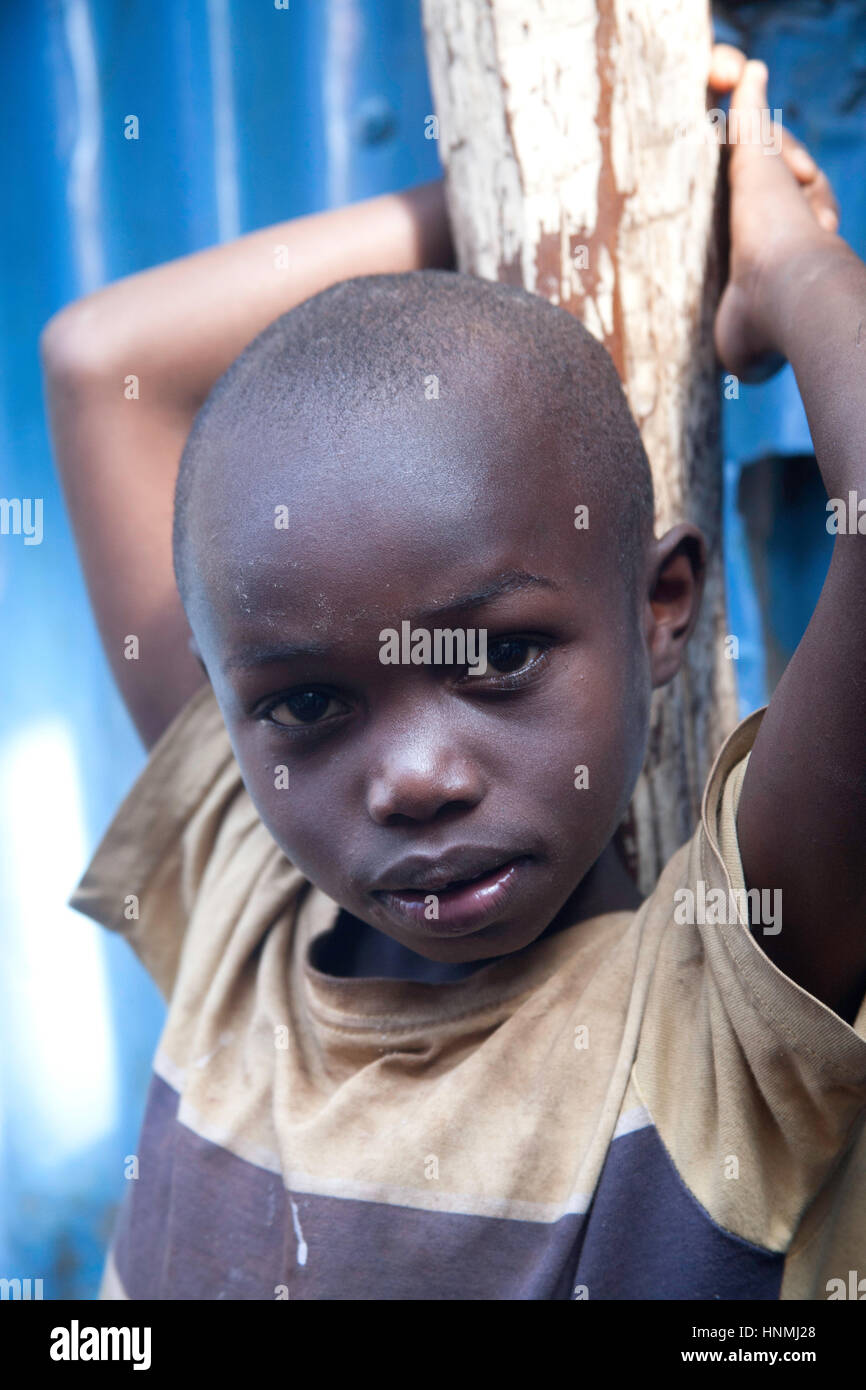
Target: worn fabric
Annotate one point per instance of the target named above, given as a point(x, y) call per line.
point(636, 1107)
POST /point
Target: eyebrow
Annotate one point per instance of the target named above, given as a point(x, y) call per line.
point(512, 581)
point(284, 651)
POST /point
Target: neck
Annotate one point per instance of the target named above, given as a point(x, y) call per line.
point(608, 887)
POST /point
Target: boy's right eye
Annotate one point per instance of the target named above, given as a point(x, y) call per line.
point(303, 707)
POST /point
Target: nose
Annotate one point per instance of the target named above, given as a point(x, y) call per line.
point(422, 776)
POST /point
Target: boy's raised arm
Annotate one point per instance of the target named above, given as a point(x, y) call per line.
point(797, 289)
point(175, 329)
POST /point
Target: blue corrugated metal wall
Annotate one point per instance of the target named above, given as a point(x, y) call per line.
point(248, 115)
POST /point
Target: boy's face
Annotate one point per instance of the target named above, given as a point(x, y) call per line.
point(386, 783)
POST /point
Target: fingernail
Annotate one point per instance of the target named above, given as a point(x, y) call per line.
point(828, 219)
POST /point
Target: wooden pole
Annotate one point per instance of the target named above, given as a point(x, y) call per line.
point(574, 138)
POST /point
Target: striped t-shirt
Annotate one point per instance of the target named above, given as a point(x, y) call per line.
point(637, 1107)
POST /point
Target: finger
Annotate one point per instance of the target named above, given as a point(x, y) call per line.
point(798, 158)
point(726, 67)
point(751, 136)
point(750, 93)
point(813, 181)
point(752, 133)
point(822, 200)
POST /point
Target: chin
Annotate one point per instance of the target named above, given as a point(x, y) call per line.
point(499, 939)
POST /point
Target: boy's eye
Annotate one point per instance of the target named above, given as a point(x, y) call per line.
point(304, 707)
point(506, 654)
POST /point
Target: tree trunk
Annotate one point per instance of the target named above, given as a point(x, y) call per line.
point(574, 139)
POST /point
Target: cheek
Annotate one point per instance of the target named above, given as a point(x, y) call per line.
point(310, 833)
point(302, 813)
point(592, 750)
point(307, 828)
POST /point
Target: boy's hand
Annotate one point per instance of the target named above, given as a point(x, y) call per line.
point(782, 208)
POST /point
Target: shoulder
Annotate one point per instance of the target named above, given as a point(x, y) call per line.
point(734, 1057)
point(186, 840)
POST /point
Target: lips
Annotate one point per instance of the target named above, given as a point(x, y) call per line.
point(452, 868)
point(445, 898)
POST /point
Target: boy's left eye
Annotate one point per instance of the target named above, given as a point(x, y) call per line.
point(508, 654)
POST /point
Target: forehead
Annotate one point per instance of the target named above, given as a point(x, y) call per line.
point(399, 511)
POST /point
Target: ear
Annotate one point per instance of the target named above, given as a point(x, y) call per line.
point(678, 564)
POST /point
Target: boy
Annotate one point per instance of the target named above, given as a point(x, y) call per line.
point(424, 1040)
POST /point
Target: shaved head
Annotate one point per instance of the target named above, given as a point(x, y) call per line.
point(386, 377)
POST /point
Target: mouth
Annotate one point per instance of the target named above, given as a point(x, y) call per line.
point(445, 904)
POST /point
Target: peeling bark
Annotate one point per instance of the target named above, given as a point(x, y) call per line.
point(573, 134)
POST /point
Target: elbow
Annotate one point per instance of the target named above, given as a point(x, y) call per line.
point(74, 349)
